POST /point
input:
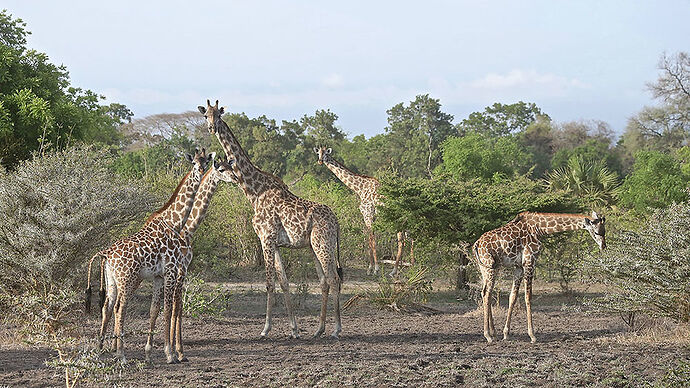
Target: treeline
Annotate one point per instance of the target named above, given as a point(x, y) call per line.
point(446, 179)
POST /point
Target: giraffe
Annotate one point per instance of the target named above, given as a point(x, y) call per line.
point(149, 253)
point(367, 190)
point(517, 245)
point(282, 219)
point(219, 171)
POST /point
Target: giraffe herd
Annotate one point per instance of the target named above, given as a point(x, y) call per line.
point(161, 250)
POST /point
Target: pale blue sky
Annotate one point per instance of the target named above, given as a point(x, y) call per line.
point(574, 59)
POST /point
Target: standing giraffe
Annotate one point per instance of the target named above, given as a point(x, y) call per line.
point(366, 188)
point(219, 171)
point(517, 245)
point(149, 253)
point(282, 219)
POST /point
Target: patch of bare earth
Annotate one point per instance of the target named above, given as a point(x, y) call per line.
point(382, 348)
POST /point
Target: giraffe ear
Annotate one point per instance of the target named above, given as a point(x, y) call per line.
point(222, 109)
point(588, 222)
point(328, 151)
point(316, 150)
point(189, 158)
point(202, 109)
point(594, 215)
point(216, 164)
point(212, 156)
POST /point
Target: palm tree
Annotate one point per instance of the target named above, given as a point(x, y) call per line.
point(587, 179)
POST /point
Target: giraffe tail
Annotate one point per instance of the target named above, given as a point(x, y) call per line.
point(339, 268)
point(87, 292)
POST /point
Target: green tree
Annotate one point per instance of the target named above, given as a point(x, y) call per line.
point(455, 211)
point(588, 179)
point(478, 156)
point(655, 182)
point(414, 135)
point(38, 107)
point(503, 119)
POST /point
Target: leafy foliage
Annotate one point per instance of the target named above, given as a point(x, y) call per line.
point(460, 211)
point(589, 180)
point(650, 268)
point(38, 107)
point(502, 120)
point(56, 211)
point(414, 136)
point(479, 156)
point(656, 181)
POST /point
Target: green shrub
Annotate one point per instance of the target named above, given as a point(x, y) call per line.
point(649, 269)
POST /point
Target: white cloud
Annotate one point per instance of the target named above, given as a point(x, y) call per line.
point(334, 80)
point(521, 79)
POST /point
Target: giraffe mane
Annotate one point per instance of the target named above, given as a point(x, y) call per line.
point(352, 172)
point(170, 201)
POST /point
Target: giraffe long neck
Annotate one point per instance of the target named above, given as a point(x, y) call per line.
point(249, 176)
point(208, 186)
point(548, 223)
point(355, 182)
point(176, 210)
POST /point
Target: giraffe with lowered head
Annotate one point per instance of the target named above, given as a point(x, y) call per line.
point(366, 188)
point(282, 219)
point(149, 253)
point(517, 245)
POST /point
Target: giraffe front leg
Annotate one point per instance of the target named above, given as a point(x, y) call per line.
point(373, 256)
point(270, 287)
point(285, 286)
point(528, 306)
point(167, 314)
point(517, 279)
point(178, 323)
point(153, 314)
point(398, 255)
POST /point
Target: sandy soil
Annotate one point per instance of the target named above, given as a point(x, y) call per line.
point(382, 348)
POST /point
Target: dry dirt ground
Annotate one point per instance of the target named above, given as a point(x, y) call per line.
point(386, 348)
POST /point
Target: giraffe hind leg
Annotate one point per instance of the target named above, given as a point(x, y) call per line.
point(157, 295)
point(487, 287)
point(517, 279)
point(285, 287)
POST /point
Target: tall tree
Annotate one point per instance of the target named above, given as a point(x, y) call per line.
point(667, 126)
point(503, 119)
point(415, 133)
point(38, 108)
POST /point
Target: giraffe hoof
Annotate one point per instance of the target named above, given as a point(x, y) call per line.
point(533, 340)
point(335, 336)
point(184, 359)
point(318, 333)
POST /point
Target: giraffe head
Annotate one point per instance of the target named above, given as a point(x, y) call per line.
point(223, 170)
point(324, 154)
point(596, 229)
point(200, 159)
point(213, 115)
